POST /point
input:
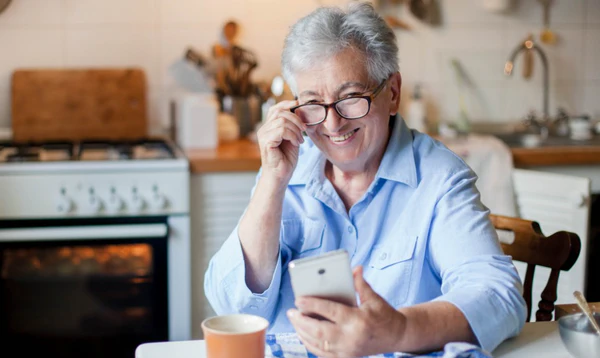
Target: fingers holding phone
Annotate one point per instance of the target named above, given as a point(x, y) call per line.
point(327, 276)
point(348, 331)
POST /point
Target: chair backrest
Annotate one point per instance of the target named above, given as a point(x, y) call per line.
point(525, 242)
point(556, 201)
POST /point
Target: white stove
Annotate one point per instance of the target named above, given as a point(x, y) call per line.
point(73, 196)
point(66, 179)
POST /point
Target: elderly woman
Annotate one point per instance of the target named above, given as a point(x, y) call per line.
point(428, 266)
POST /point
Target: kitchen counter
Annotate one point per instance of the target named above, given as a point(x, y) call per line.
point(231, 156)
point(559, 155)
point(243, 155)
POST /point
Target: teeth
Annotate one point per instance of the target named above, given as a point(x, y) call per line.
point(342, 138)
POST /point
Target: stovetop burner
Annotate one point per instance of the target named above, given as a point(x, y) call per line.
point(96, 150)
point(122, 150)
point(36, 152)
point(23, 157)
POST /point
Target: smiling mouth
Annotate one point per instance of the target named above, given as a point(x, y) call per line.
point(343, 137)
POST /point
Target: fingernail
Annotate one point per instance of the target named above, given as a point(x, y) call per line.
point(291, 313)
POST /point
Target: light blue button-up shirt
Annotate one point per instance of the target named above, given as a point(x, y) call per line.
point(420, 232)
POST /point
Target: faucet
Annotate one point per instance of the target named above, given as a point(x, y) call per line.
point(529, 45)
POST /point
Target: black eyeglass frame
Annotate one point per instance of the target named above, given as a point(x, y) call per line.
point(369, 98)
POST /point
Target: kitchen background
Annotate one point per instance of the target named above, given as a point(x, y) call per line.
point(153, 34)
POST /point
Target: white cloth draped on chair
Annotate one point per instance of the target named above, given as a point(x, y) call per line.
point(491, 159)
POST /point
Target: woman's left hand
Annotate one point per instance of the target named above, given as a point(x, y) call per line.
point(372, 328)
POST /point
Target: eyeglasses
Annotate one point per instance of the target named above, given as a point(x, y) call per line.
point(354, 107)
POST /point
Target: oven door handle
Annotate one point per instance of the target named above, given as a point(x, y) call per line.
point(91, 232)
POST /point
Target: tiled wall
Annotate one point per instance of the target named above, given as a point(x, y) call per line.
point(154, 34)
point(482, 41)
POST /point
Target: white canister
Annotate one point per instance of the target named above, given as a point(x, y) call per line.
point(195, 120)
point(580, 128)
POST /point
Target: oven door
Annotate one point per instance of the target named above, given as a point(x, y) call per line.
point(83, 287)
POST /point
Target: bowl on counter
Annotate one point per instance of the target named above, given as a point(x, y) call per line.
point(578, 335)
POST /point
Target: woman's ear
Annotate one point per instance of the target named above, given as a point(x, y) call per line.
point(395, 92)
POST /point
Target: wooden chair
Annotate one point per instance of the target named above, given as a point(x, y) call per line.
point(524, 241)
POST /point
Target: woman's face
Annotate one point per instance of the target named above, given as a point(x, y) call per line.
point(352, 145)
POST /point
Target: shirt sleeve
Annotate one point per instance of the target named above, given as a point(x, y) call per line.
point(225, 283)
point(476, 275)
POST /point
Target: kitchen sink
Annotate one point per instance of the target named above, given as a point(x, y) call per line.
point(528, 140)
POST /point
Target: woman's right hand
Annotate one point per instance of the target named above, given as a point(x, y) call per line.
point(279, 139)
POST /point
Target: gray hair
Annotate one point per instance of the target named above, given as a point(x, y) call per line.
point(329, 30)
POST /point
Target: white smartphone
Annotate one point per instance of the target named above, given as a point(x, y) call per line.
point(325, 276)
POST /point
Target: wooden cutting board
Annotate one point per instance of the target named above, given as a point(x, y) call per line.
point(78, 104)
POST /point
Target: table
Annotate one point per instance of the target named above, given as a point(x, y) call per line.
point(537, 339)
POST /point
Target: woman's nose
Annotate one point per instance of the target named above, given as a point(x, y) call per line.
point(334, 121)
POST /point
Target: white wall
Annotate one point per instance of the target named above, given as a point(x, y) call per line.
point(155, 33)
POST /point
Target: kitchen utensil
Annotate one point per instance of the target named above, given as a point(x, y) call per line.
point(4, 4)
point(578, 336)
point(396, 23)
point(78, 104)
point(275, 92)
point(547, 36)
point(585, 308)
point(427, 11)
point(243, 63)
point(195, 57)
point(277, 86)
point(418, 9)
point(192, 72)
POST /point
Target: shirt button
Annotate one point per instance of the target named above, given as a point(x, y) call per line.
point(253, 307)
point(383, 256)
point(350, 229)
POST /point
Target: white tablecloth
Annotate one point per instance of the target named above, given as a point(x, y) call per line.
point(538, 339)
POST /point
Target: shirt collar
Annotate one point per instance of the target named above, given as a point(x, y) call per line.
point(312, 165)
point(398, 162)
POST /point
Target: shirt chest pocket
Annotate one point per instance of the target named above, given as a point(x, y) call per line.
point(392, 263)
point(302, 236)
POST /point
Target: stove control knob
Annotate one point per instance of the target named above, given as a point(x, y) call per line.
point(64, 205)
point(158, 201)
point(95, 203)
point(115, 203)
point(137, 202)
